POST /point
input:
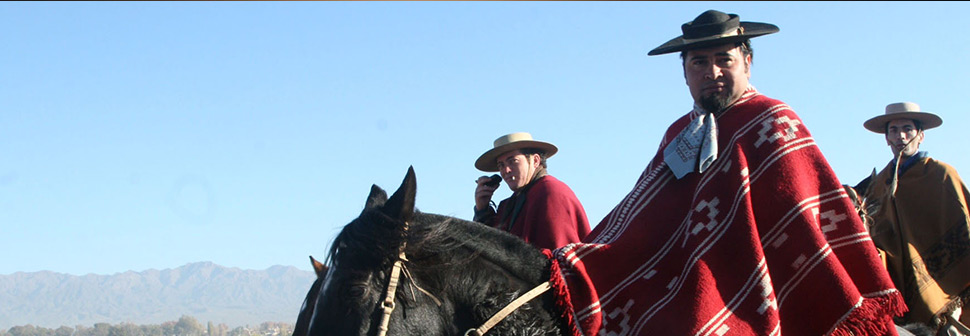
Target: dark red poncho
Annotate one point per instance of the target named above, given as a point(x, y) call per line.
point(549, 217)
point(764, 242)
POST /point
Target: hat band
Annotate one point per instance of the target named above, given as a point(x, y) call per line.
point(721, 29)
point(717, 34)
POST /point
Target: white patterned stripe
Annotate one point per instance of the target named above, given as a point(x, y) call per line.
point(802, 273)
point(753, 280)
point(846, 315)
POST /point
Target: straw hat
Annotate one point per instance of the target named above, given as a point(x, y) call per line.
point(904, 110)
point(713, 28)
point(510, 142)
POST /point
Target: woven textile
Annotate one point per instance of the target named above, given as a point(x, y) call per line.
point(764, 242)
point(925, 234)
point(546, 213)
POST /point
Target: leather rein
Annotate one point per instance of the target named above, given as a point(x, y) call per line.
point(387, 306)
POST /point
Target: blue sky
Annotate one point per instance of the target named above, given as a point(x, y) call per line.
point(148, 135)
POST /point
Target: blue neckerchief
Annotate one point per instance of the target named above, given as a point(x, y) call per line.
point(695, 147)
point(910, 161)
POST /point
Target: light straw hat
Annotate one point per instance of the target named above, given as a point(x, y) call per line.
point(510, 142)
point(904, 110)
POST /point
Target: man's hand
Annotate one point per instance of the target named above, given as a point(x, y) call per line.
point(483, 193)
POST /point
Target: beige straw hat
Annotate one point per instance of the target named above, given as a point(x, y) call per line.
point(904, 110)
point(510, 142)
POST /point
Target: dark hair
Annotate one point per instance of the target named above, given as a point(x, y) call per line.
point(542, 155)
point(745, 45)
point(917, 123)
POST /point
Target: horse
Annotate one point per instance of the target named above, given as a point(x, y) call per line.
point(455, 275)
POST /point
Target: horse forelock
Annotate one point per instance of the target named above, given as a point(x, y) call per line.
point(369, 241)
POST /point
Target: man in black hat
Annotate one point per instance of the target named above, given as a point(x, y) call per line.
point(921, 221)
point(737, 226)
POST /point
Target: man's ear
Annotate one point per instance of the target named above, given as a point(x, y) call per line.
point(747, 64)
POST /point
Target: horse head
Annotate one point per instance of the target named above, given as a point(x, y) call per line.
point(865, 206)
point(454, 274)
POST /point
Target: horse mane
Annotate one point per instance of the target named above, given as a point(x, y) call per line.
point(501, 248)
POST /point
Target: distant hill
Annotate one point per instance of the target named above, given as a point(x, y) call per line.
point(204, 290)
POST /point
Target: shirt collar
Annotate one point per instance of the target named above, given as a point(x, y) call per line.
point(910, 161)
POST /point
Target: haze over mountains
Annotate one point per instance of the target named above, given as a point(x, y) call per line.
point(206, 291)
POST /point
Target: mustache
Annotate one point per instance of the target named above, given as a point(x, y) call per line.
point(714, 85)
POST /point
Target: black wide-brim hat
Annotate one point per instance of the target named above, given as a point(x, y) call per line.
point(713, 28)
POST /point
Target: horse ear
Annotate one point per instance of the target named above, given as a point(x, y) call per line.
point(376, 198)
point(862, 188)
point(401, 204)
point(319, 268)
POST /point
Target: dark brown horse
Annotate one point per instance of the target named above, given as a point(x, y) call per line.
point(455, 275)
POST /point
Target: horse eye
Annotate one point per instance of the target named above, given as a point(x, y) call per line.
point(356, 291)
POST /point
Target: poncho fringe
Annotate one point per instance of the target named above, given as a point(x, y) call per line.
point(563, 303)
point(870, 318)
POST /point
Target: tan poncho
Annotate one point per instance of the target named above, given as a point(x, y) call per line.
point(923, 234)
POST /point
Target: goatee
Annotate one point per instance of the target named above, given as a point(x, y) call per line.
point(715, 103)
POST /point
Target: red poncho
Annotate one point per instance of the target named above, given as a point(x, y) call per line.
point(764, 242)
point(549, 216)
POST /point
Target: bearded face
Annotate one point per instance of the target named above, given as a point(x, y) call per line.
point(717, 76)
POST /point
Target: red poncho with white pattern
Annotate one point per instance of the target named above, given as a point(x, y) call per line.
point(763, 242)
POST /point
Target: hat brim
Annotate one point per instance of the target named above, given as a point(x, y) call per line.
point(878, 124)
point(751, 29)
point(487, 163)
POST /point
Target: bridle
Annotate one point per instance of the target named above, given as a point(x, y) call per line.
point(387, 305)
point(509, 308)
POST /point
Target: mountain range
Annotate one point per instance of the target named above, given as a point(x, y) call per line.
point(203, 290)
